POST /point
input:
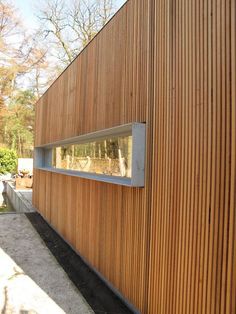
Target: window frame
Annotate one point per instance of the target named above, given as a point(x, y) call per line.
point(43, 154)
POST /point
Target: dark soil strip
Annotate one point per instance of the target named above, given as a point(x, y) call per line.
point(98, 295)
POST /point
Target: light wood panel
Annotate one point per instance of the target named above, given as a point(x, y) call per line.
point(170, 247)
point(106, 225)
point(192, 264)
point(107, 85)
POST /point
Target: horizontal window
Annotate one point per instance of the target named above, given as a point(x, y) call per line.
point(111, 156)
point(115, 155)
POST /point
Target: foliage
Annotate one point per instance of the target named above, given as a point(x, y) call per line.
point(21, 60)
point(31, 59)
point(18, 123)
point(8, 160)
point(20, 53)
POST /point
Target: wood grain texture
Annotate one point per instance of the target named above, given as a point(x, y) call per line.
point(192, 264)
point(170, 247)
point(107, 85)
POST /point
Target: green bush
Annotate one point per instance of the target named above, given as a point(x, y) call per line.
point(8, 160)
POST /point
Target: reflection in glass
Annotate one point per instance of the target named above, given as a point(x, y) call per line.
point(110, 156)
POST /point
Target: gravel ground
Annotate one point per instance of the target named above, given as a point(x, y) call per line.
point(20, 242)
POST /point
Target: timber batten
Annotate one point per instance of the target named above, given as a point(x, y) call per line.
point(169, 247)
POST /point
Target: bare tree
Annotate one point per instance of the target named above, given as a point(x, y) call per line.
point(86, 18)
point(20, 52)
point(54, 26)
point(68, 26)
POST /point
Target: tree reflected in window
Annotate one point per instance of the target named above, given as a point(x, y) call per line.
point(111, 156)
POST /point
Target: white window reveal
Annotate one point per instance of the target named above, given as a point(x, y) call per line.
point(115, 155)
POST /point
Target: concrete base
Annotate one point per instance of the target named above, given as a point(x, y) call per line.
point(20, 199)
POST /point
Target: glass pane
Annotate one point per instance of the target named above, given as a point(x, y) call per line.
point(111, 156)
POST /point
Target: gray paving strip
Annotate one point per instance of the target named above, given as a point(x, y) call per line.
point(23, 252)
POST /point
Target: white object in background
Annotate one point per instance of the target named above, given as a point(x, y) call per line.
point(2, 189)
point(25, 164)
point(5, 177)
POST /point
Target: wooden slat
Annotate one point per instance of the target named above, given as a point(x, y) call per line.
point(192, 264)
point(107, 85)
point(170, 247)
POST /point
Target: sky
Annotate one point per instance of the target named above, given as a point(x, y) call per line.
point(27, 10)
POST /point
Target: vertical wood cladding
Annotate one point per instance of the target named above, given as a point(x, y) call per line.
point(106, 86)
point(170, 247)
point(192, 264)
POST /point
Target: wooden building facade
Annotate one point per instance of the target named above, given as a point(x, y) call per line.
point(169, 247)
